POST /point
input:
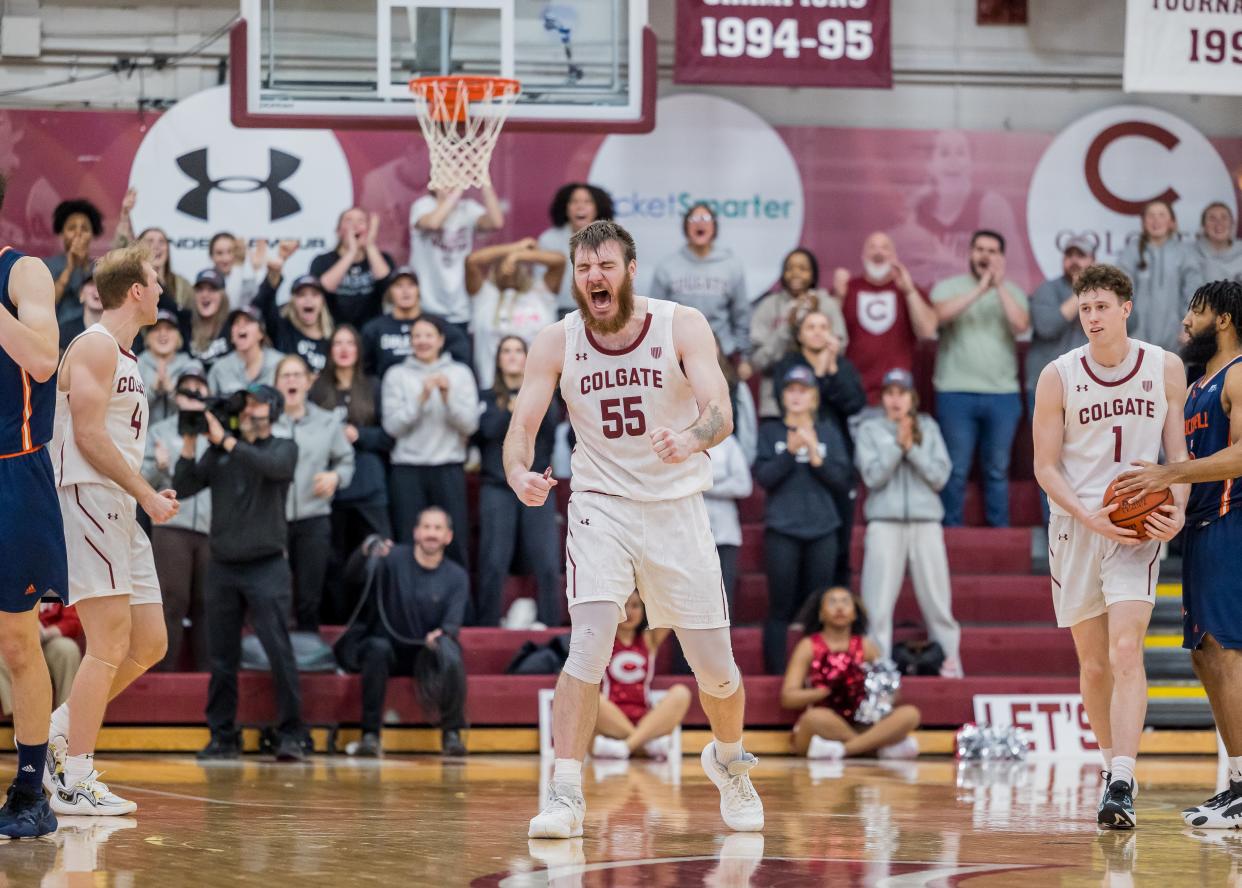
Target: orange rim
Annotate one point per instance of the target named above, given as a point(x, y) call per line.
point(476, 87)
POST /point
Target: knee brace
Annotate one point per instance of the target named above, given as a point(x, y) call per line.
point(710, 655)
point(716, 686)
point(590, 641)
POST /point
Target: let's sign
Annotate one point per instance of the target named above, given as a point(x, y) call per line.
point(1058, 724)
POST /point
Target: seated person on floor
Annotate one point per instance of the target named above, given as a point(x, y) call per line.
point(825, 677)
point(627, 719)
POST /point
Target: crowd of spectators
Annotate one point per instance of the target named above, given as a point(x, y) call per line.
point(395, 384)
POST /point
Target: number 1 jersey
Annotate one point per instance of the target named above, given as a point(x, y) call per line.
point(1113, 416)
point(125, 421)
point(616, 398)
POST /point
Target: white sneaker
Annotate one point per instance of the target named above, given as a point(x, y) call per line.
point(952, 668)
point(562, 816)
point(658, 749)
point(609, 748)
point(904, 749)
point(739, 803)
point(57, 752)
point(88, 796)
point(825, 750)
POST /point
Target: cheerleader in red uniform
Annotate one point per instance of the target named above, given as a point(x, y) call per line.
point(627, 721)
point(825, 677)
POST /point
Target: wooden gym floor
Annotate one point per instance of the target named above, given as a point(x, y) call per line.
point(421, 821)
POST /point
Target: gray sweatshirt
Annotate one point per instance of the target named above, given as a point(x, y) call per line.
point(1162, 289)
point(195, 512)
point(322, 447)
point(432, 432)
point(1051, 335)
point(162, 404)
point(731, 481)
point(1219, 266)
point(716, 286)
point(902, 486)
point(228, 374)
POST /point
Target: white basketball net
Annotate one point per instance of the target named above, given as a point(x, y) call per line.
point(461, 130)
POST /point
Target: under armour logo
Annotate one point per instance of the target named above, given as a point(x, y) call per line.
point(581, 356)
point(586, 521)
point(281, 166)
point(1063, 537)
point(112, 516)
point(1081, 388)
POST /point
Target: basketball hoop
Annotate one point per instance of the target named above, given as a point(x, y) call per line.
point(461, 116)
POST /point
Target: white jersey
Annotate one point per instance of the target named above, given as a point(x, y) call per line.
point(125, 421)
point(616, 398)
point(1113, 416)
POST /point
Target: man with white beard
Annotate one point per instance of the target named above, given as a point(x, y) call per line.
point(885, 314)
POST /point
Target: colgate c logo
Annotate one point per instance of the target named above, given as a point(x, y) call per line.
point(1095, 153)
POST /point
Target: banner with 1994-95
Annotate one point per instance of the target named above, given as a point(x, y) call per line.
point(1184, 46)
point(845, 43)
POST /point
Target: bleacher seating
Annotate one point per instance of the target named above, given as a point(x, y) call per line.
point(1009, 645)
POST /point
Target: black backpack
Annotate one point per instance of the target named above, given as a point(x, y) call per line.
point(540, 659)
point(918, 657)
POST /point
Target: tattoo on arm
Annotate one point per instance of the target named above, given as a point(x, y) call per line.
point(709, 427)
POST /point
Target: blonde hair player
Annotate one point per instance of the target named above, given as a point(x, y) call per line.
point(1097, 409)
point(97, 447)
point(636, 515)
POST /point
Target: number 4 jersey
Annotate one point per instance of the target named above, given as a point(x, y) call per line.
point(616, 398)
point(125, 421)
point(1113, 416)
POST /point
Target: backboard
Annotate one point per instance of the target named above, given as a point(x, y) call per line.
point(584, 65)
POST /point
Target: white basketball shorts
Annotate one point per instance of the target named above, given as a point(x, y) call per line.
point(663, 549)
point(1089, 572)
point(109, 554)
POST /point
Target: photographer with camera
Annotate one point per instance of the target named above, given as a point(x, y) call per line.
point(249, 478)
point(181, 546)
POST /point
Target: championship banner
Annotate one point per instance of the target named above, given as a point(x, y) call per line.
point(1184, 46)
point(801, 43)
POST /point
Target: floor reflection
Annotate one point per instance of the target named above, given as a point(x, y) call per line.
point(421, 821)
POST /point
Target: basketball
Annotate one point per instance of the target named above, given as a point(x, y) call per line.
point(1134, 514)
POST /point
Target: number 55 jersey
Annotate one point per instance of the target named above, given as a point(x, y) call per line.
point(616, 398)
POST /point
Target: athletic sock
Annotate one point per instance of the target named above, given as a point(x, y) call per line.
point(727, 752)
point(1235, 767)
point(78, 767)
point(60, 720)
point(567, 771)
point(1106, 752)
point(1123, 769)
point(31, 760)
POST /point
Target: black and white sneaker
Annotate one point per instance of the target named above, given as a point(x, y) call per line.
point(1117, 806)
point(90, 795)
point(1221, 811)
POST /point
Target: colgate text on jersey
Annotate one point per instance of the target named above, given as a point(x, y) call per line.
point(620, 377)
point(130, 384)
point(1117, 407)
